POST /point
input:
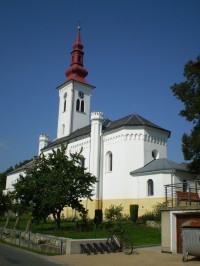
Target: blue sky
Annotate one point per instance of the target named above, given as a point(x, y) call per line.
point(134, 51)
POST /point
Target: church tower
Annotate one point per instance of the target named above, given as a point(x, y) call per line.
point(74, 94)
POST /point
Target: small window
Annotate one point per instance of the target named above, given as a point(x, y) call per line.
point(150, 190)
point(64, 109)
point(109, 162)
point(77, 105)
point(82, 106)
point(79, 58)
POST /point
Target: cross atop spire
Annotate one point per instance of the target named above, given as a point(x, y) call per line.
point(76, 71)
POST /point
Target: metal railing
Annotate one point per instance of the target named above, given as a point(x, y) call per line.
point(189, 187)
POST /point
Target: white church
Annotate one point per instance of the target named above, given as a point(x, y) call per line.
point(128, 156)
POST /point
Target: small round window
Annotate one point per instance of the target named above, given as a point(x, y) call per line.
point(155, 154)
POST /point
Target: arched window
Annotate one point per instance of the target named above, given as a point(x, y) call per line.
point(82, 106)
point(64, 109)
point(150, 191)
point(77, 105)
point(109, 161)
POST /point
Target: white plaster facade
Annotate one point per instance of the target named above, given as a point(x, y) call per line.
point(69, 94)
point(131, 148)
point(13, 176)
point(112, 149)
point(11, 180)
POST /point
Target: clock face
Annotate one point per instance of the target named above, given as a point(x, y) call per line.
point(81, 94)
point(65, 95)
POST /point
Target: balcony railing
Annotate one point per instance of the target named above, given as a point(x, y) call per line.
point(183, 194)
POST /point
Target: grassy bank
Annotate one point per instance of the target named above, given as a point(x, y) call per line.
point(139, 233)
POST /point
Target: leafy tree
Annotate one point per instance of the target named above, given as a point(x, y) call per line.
point(5, 200)
point(55, 182)
point(189, 93)
point(5, 203)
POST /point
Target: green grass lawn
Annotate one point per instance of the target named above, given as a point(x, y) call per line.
point(139, 233)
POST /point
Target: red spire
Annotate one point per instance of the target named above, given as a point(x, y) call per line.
point(76, 71)
point(78, 44)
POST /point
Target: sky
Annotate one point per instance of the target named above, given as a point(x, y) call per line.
point(135, 50)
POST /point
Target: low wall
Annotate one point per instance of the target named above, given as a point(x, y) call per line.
point(45, 243)
point(73, 245)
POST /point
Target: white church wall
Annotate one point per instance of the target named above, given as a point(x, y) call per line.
point(83, 144)
point(11, 180)
point(81, 119)
point(145, 201)
point(64, 117)
point(156, 141)
point(159, 180)
point(69, 119)
point(76, 146)
point(127, 150)
point(127, 147)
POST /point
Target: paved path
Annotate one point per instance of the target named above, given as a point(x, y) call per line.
point(151, 256)
point(142, 256)
point(12, 256)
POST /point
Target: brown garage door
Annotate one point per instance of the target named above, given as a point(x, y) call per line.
point(181, 218)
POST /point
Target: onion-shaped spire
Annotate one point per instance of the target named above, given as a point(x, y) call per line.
point(76, 71)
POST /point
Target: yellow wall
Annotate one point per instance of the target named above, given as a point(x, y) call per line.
point(145, 205)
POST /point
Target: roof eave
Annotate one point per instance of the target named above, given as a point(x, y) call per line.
point(164, 171)
point(65, 141)
point(137, 126)
point(72, 80)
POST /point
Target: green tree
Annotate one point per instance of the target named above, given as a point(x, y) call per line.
point(55, 182)
point(189, 93)
point(5, 203)
point(5, 200)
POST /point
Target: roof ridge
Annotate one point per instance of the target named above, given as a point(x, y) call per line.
point(139, 117)
point(129, 117)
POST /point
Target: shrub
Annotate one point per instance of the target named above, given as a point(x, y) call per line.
point(148, 216)
point(156, 210)
point(114, 213)
point(126, 217)
point(155, 214)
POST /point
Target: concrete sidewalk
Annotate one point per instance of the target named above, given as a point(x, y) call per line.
point(151, 256)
